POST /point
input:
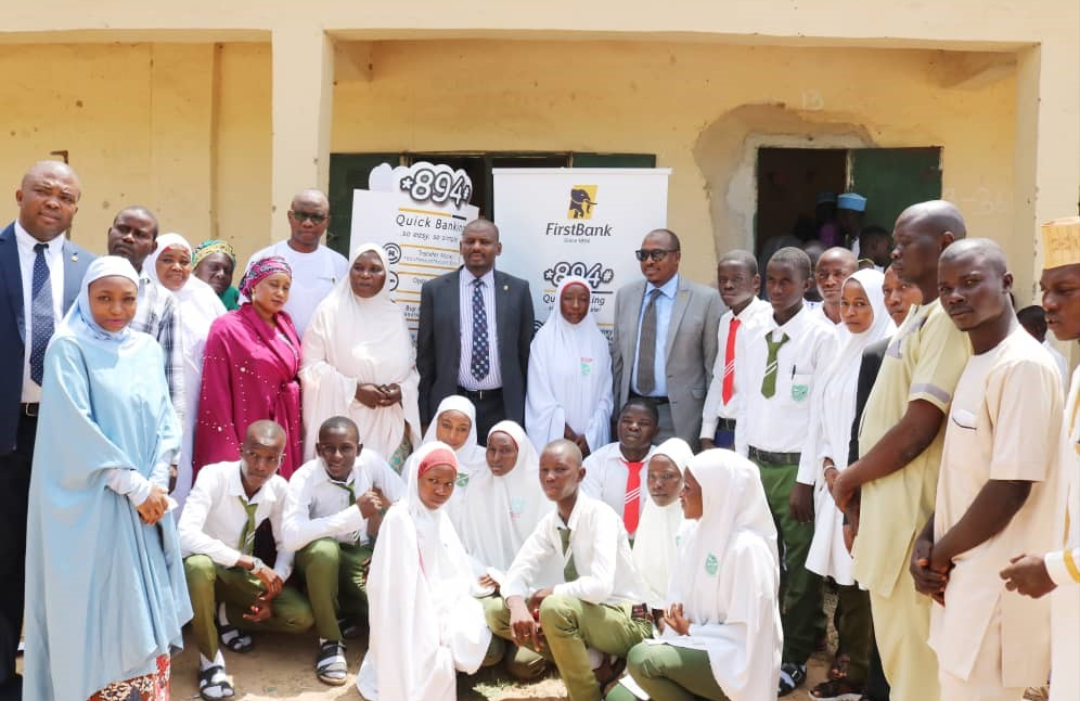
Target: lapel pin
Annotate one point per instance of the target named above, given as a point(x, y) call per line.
point(506, 288)
point(74, 257)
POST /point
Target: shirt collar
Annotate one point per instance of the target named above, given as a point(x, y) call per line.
point(751, 309)
point(794, 323)
point(26, 242)
point(668, 289)
point(488, 277)
point(321, 475)
point(571, 523)
point(236, 487)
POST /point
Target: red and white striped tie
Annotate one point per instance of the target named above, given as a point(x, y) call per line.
point(632, 504)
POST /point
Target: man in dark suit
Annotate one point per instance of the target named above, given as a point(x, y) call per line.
point(476, 326)
point(40, 276)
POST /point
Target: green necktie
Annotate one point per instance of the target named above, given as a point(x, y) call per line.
point(569, 569)
point(347, 486)
point(246, 545)
point(768, 383)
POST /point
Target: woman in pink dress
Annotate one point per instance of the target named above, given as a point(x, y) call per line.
point(250, 370)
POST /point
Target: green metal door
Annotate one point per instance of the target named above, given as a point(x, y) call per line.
point(892, 179)
point(348, 172)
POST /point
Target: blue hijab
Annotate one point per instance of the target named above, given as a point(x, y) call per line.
point(106, 593)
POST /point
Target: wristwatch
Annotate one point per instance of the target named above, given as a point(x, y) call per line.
point(258, 566)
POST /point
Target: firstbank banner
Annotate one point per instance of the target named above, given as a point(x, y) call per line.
point(416, 214)
point(557, 222)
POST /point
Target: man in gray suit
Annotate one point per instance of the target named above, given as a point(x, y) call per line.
point(476, 327)
point(665, 338)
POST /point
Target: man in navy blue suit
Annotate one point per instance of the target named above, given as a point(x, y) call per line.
point(40, 276)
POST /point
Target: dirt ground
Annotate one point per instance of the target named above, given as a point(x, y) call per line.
point(282, 667)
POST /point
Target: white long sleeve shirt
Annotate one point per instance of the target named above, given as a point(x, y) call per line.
point(606, 474)
point(601, 552)
point(756, 314)
point(214, 517)
point(781, 423)
point(316, 507)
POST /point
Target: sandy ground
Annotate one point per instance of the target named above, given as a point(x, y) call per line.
point(282, 667)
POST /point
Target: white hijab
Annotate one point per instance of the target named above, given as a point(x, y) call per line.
point(499, 513)
point(655, 544)
point(198, 306)
point(352, 341)
point(472, 459)
point(425, 623)
point(570, 381)
point(728, 578)
point(834, 413)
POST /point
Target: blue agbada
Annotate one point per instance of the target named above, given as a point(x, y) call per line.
point(106, 593)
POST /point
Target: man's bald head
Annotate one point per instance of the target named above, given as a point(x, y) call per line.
point(933, 218)
point(309, 216)
point(48, 198)
point(482, 225)
point(985, 250)
point(833, 267)
point(310, 195)
point(264, 432)
point(566, 449)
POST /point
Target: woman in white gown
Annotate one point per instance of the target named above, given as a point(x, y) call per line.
point(425, 623)
point(570, 382)
point(199, 305)
point(655, 548)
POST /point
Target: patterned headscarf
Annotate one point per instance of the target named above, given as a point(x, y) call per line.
point(260, 270)
point(210, 247)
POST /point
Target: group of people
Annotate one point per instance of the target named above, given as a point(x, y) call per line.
point(653, 517)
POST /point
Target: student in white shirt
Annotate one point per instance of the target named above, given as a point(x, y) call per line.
point(739, 283)
point(995, 491)
point(229, 586)
point(720, 634)
point(426, 624)
point(331, 519)
point(661, 519)
point(1056, 571)
point(316, 269)
point(599, 602)
point(785, 359)
point(616, 473)
point(833, 267)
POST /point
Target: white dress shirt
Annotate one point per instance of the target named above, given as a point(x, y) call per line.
point(781, 424)
point(317, 507)
point(214, 518)
point(606, 473)
point(665, 303)
point(601, 552)
point(465, 292)
point(756, 314)
point(54, 258)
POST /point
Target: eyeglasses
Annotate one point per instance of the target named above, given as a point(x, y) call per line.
point(657, 254)
point(312, 217)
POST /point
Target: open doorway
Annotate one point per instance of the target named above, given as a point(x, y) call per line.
point(791, 182)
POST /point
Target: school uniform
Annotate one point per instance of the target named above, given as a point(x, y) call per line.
point(218, 527)
point(923, 362)
point(323, 526)
point(1003, 423)
point(599, 603)
point(784, 363)
point(620, 484)
point(722, 401)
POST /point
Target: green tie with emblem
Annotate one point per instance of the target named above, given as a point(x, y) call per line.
point(246, 546)
point(768, 383)
point(569, 568)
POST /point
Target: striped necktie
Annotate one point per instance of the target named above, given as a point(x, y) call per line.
point(729, 361)
point(632, 503)
point(246, 545)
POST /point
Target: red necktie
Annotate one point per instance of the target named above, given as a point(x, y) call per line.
point(729, 361)
point(632, 505)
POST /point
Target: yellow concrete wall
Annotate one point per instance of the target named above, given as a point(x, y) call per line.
point(153, 124)
point(663, 98)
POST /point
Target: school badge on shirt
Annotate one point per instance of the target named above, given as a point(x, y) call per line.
point(517, 506)
point(712, 565)
point(586, 367)
point(462, 480)
point(800, 392)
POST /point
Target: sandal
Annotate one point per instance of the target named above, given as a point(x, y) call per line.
point(214, 684)
point(330, 666)
point(235, 640)
point(608, 673)
point(791, 676)
point(836, 690)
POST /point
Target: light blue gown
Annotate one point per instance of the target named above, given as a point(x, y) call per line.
point(105, 593)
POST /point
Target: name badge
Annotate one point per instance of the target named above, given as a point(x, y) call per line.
point(712, 565)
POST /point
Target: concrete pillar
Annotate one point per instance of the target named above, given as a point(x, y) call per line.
point(303, 83)
point(1047, 166)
